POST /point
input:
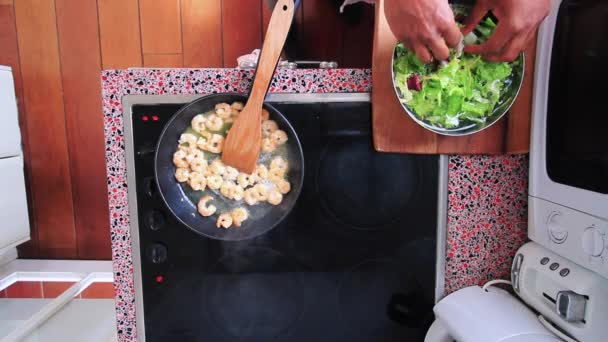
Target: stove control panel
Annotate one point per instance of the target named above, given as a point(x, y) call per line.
point(572, 234)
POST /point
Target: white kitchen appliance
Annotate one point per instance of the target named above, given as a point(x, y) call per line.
point(568, 194)
point(14, 222)
point(564, 300)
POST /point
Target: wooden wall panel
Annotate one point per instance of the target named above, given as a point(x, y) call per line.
point(323, 31)
point(119, 33)
point(163, 60)
point(80, 65)
point(241, 28)
point(9, 55)
point(160, 26)
point(202, 33)
point(50, 169)
point(358, 35)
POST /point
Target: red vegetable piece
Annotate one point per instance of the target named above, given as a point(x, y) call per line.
point(414, 82)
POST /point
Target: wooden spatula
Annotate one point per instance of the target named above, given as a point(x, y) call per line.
point(242, 146)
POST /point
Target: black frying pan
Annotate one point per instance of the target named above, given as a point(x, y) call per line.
point(184, 209)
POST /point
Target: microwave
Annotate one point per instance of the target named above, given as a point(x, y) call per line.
point(568, 190)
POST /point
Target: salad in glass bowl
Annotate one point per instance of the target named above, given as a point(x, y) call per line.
point(462, 95)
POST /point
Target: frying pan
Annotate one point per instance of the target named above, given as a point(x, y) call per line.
point(183, 207)
point(181, 200)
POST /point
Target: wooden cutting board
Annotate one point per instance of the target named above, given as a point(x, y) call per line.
point(395, 131)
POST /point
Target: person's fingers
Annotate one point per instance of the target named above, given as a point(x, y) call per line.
point(512, 49)
point(422, 52)
point(477, 13)
point(440, 50)
point(451, 34)
point(493, 46)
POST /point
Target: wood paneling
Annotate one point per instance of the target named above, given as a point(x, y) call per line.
point(241, 28)
point(25, 289)
point(80, 65)
point(163, 61)
point(323, 31)
point(202, 33)
point(9, 55)
point(358, 38)
point(160, 26)
point(120, 33)
point(50, 169)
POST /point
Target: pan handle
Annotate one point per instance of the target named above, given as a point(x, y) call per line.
point(277, 31)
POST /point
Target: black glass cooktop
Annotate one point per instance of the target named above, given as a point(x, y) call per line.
point(353, 261)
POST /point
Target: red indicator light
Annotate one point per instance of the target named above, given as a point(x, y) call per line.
point(155, 118)
point(145, 118)
point(160, 279)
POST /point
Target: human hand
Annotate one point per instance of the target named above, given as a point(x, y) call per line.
point(517, 22)
point(426, 27)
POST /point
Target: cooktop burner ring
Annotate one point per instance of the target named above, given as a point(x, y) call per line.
point(381, 279)
point(364, 196)
point(245, 289)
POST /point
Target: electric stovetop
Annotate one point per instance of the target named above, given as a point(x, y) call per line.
point(354, 261)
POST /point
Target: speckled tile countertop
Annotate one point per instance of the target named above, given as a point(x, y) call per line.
point(487, 195)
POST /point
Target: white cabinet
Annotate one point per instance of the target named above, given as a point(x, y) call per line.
point(14, 221)
point(10, 136)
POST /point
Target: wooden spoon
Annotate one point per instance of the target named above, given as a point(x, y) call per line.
point(242, 145)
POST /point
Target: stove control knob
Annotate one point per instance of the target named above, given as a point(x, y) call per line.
point(157, 253)
point(593, 242)
point(155, 220)
point(557, 232)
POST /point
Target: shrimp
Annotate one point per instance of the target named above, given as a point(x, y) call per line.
point(265, 115)
point(238, 192)
point(261, 192)
point(188, 140)
point(244, 180)
point(250, 196)
point(283, 186)
point(279, 137)
point(180, 158)
point(231, 173)
point(236, 107)
point(201, 143)
point(198, 123)
point(223, 110)
point(268, 145)
point(227, 189)
point(199, 165)
point(182, 174)
point(217, 167)
point(239, 215)
point(224, 220)
point(275, 197)
point(215, 143)
point(279, 163)
point(261, 172)
point(203, 208)
point(269, 126)
point(195, 154)
point(214, 122)
point(214, 182)
point(197, 181)
point(276, 174)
